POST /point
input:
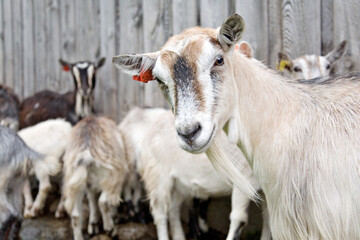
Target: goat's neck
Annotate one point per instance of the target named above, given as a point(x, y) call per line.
point(267, 105)
point(83, 106)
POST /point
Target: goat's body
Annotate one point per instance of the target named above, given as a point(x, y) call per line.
point(49, 138)
point(303, 144)
point(94, 161)
point(15, 159)
point(46, 105)
point(172, 176)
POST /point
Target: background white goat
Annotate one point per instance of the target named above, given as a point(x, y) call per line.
point(94, 162)
point(171, 175)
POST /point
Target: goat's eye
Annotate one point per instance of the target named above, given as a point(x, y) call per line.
point(297, 69)
point(219, 61)
point(328, 66)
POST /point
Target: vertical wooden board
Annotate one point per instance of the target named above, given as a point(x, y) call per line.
point(53, 44)
point(327, 31)
point(130, 40)
point(255, 17)
point(67, 48)
point(213, 13)
point(17, 50)
point(346, 17)
point(28, 48)
point(157, 29)
point(8, 43)
point(184, 15)
point(301, 27)
point(107, 76)
point(274, 31)
point(80, 33)
point(2, 55)
point(91, 40)
point(40, 45)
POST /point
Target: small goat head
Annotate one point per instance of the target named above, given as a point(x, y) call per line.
point(309, 66)
point(84, 75)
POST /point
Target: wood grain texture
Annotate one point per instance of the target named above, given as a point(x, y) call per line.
point(2, 55)
point(213, 13)
point(28, 48)
point(184, 15)
point(8, 43)
point(301, 27)
point(275, 34)
point(255, 16)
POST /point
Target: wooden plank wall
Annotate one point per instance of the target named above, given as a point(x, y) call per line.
point(34, 34)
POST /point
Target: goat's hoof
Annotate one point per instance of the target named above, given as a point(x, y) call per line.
point(93, 228)
point(60, 214)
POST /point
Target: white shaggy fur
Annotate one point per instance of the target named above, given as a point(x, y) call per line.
point(302, 140)
point(172, 176)
point(95, 162)
point(49, 138)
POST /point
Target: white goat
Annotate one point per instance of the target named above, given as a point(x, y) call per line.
point(302, 140)
point(49, 138)
point(310, 66)
point(172, 175)
point(95, 161)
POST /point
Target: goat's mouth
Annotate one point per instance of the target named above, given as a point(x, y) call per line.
point(199, 145)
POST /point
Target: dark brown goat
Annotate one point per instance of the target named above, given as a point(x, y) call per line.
point(72, 106)
point(9, 108)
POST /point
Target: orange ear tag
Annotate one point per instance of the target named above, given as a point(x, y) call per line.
point(237, 47)
point(144, 76)
point(66, 68)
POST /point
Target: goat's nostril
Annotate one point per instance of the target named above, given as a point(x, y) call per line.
point(189, 134)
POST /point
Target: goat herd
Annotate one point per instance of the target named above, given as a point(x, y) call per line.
point(297, 141)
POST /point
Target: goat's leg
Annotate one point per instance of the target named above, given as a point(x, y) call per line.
point(44, 188)
point(160, 219)
point(265, 230)
point(93, 225)
point(76, 216)
point(177, 232)
point(105, 210)
point(238, 215)
point(28, 198)
point(60, 209)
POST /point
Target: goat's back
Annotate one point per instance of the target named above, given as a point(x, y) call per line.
point(45, 105)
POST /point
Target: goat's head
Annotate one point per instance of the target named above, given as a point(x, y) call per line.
point(9, 108)
point(309, 66)
point(194, 71)
point(84, 75)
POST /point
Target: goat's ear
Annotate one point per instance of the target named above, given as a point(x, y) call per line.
point(336, 53)
point(100, 63)
point(284, 62)
point(246, 49)
point(231, 31)
point(65, 65)
point(135, 63)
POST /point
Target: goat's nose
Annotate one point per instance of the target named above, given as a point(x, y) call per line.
point(189, 133)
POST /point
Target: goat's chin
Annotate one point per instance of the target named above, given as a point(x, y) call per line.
point(201, 143)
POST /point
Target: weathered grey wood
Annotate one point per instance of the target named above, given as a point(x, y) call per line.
point(8, 43)
point(156, 32)
point(301, 27)
point(17, 50)
point(184, 15)
point(256, 27)
point(28, 48)
point(2, 55)
point(274, 31)
point(327, 31)
point(68, 52)
point(107, 79)
point(40, 45)
point(213, 12)
point(130, 35)
point(346, 17)
point(53, 44)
